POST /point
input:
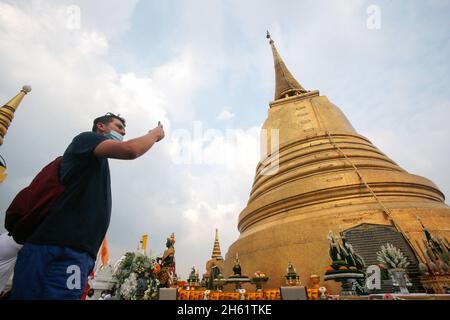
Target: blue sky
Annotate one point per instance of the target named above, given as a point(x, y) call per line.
point(208, 63)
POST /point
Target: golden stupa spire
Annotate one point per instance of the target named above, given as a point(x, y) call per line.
point(7, 111)
point(216, 250)
point(285, 83)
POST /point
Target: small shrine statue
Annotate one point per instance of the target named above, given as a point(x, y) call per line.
point(292, 277)
point(193, 273)
point(193, 280)
point(323, 293)
point(237, 278)
point(237, 267)
point(215, 271)
point(315, 281)
point(291, 269)
point(313, 290)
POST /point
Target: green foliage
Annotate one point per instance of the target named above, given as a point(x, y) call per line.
point(392, 257)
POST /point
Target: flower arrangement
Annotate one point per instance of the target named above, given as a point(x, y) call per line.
point(344, 258)
point(392, 257)
point(396, 262)
point(259, 275)
point(137, 277)
point(258, 279)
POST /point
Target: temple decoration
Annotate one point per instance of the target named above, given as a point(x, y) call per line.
point(235, 295)
point(237, 272)
point(292, 277)
point(313, 291)
point(144, 243)
point(193, 280)
point(137, 277)
point(8, 110)
point(347, 266)
point(214, 265)
point(396, 263)
point(323, 293)
point(258, 279)
point(435, 262)
point(167, 262)
point(6, 117)
point(219, 282)
point(237, 278)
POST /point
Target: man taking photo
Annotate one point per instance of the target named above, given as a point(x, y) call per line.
point(56, 259)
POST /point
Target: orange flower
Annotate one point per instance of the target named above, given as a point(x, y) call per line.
point(260, 274)
point(156, 268)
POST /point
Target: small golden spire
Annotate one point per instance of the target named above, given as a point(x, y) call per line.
point(7, 111)
point(216, 254)
point(285, 83)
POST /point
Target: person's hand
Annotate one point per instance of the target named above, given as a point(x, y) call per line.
point(158, 132)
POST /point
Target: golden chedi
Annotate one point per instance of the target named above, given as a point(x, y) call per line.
point(324, 176)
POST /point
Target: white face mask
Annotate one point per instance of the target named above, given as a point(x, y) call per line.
point(114, 136)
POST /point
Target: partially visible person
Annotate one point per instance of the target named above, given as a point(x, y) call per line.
point(8, 255)
point(90, 294)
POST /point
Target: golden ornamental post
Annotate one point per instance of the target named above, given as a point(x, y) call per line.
point(6, 117)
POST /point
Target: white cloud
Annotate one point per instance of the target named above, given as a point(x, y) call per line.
point(226, 114)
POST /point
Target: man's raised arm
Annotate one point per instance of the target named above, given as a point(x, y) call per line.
point(131, 149)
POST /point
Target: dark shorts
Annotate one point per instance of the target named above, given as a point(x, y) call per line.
point(50, 272)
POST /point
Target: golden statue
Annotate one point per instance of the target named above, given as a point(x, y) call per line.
point(167, 262)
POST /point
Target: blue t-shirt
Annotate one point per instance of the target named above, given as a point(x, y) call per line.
point(81, 214)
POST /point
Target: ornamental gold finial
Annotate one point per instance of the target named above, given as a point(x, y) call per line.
point(7, 111)
point(285, 83)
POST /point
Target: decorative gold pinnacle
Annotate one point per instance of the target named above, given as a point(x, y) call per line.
point(7, 111)
point(285, 83)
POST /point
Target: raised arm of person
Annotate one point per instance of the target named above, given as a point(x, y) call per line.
point(131, 149)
